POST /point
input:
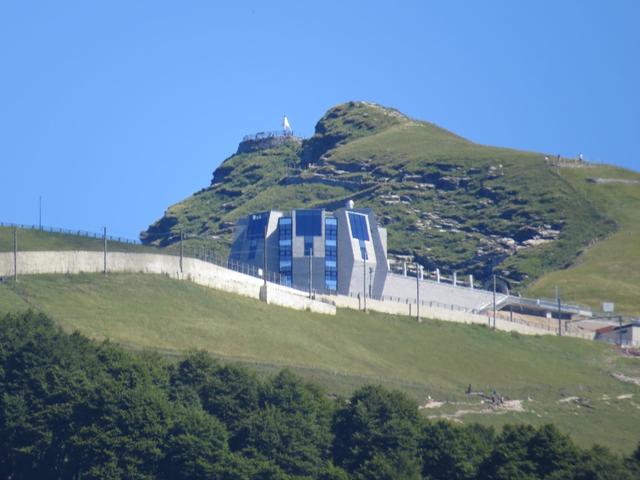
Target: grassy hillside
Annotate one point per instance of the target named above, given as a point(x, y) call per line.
point(608, 270)
point(31, 239)
point(434, 358)
point(449, 202)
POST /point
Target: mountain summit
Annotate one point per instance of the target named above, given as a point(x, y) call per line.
point(447, 202)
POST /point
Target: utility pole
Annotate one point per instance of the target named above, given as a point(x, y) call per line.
point(15, 254)
point(264, 266)
point(370, 280)
point(559, 312)
point(40, 212)
point(418, 268)
point(620, 330)
point(494, 301)
point(311, 272)
point(364, 281)
point(104, 237)
point(181, 249)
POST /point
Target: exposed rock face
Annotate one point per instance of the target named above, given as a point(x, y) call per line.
point(344, 123)
point(445, 201)
point(265, 141)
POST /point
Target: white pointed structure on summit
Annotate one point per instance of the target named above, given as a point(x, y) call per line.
point(285, 126)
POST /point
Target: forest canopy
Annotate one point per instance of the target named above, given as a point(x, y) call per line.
point(74, 408)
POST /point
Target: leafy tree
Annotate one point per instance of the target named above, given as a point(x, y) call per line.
point(598, 463)
point(522, 452)
point(633, 462)
point(38, 389)
point(376, 435)
point(238, 467)
point(333, 473)
point(71, 408)
point(121, 425)
point(195, 448)
point(229, 392)
point(509, 459)
point(451, 452)
point(292, 428)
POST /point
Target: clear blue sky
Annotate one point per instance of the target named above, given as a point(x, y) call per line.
point(114, 110)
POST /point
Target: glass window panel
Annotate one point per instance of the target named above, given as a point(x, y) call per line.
point(257, 224)
point(253, 245)
point(308, 246)
point(358, 224)
point(308, 223)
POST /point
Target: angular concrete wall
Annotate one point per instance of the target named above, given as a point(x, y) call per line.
point(197, 271)
point(220, 278)
point(446, 314)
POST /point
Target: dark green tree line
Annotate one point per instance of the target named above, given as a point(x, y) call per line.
point(71, 408)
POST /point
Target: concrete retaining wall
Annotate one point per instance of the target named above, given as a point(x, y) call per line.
point(220, 278)
point(449, 315)
point(197, 271)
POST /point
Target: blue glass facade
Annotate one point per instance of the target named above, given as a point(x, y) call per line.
point(360, 232)
point(284, 249)
point(257, 224)
point(308, 223)
point(255, 231)
point(331, 254)
point(308, 246)
point(253, 246)
point(358, 224)
point(313, 248)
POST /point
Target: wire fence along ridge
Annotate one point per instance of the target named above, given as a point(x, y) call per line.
point(255, 271)
point(216, 258)
point(211, 256)
point(76, 233)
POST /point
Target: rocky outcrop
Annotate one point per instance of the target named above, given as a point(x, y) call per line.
point(347, 122)
point(265, 140)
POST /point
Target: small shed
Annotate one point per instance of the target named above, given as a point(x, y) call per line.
point(627, 335)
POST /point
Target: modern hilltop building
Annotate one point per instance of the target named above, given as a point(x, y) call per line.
point(345, 252)
point(317, 250)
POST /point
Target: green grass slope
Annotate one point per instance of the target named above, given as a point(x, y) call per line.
point(489, 194)
point(449, 202)
point(32, 239)
point(609, 270)
point(434, 358)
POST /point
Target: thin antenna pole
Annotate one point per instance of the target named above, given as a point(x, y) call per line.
point(620, 329)
point(559, 312)
point(15, 254)
point(418, 292)
point(40, 212)
point(181, 249)
point(104, 236)
point(264, 255)
point(310, 271)
point(364, 281)
point(494, 302)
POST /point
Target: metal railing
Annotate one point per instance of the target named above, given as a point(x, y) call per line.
point(412, 301)
point(211, 256)
point(268, 134)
